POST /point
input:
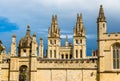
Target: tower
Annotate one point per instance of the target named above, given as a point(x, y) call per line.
point(101, 29)
point(25, 44)
point(13, 46)
point(101, 23)
point(53, 39)
point(66, 42)
point(79, 39)
point(34, 45)
point(41, 48)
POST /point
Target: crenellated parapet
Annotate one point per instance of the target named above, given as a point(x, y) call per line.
point(111, 36)
point(67, 63)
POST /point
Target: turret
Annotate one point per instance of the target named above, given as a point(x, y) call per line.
point(79, 39)
point(66, 43)
point(34, 45)
point(13, 46)
point(101, 23)
point(53, 39)
point(41, 48)
point(79, 29)
point(54, 30)
point(25, 44)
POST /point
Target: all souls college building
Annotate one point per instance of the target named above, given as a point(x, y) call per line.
point(63, 63)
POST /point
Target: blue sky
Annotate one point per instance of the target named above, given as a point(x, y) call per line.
point(15, 15)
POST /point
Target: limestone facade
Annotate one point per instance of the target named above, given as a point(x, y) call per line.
point(63, 63)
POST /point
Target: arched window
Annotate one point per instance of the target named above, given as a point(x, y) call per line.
point(54, 53)
point(62, 56)
point(81, 53)
point(116, 56)
point(76, 53)
point(23, 73)
point(50, 53)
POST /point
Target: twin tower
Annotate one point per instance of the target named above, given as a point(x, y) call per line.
point(29, 47)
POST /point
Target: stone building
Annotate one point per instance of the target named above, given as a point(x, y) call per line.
point(63, 63)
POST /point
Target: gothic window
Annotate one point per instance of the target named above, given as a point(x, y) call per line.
point(50, 53)
point(80, 53)
point(116, 56)
point(103, 25)
point(23, 73)
point(62, 56)
point(54, 53)
point(76, 41)
point(54, 41)
point(66, 56)
point(70, 56)
point(81, 41)
point(76, 53)
point(50, 41)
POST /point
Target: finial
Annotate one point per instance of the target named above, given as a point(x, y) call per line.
point(101, 6)
point(41, 38)
point(77, 14)
point(101, 15)
point(28, 27)
point(34, 35)
point(28, 31)
point(53, 17)
point(81, 17)
point(56, 17)
point(66, 38)
point(14, 36)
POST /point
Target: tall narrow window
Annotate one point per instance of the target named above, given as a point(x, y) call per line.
point(54, 41)
point(81, 53)
point(70, 56)
point(76, 41)
point(62, 56)
point(50, 53)
point(66, 56)
point(54, 53)
point(76, 53)
point(116, 56)
point(50, 41)
point(81, 41)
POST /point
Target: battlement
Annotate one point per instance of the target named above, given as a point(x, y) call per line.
point(5, 65)
point(68, 63)
point(111, 35)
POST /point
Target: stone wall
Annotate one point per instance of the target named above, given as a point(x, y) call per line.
point(66, 75)
point(67, 70)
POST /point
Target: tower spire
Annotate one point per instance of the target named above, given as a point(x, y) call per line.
point(101, 17)
point(81, 17)
point(66, 38)
point(54, 19)
point(28, 31)
point(79, 29)
point(54, 29)
point(66, 43)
